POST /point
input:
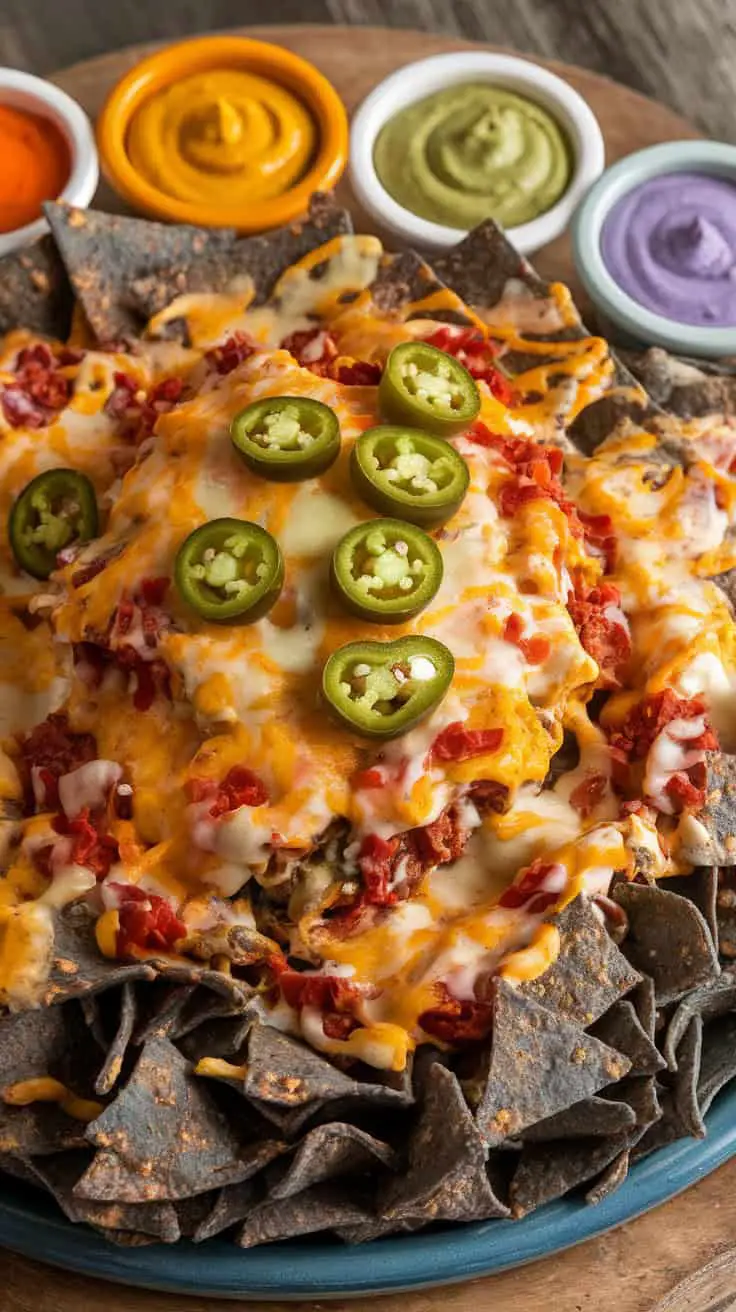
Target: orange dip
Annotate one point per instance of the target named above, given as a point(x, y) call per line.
point(36, 163)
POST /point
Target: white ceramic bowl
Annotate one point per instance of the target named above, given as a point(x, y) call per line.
point(414, 82)
point(24, 91)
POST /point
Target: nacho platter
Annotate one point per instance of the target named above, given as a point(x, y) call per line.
point(257, 982)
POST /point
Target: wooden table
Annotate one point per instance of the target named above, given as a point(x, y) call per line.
point(634, 1268)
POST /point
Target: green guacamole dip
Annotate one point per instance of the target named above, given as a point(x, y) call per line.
point(471, 152)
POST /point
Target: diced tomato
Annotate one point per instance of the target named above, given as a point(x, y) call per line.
point(535, 650)
point(357, 373)
point(325, 992)
point(135, 410)
point(489, 795)
point(90, 847)
point(441, 841)
point(646, 721)
point(591, 790)
point(683, 788)
point(55, 749)
point(456, 743)
point(233, 351)
point(240, 787)
point(600, 537)
point(370, 778)
point(477, 353)
point(147, 921)
point(603, 636)
point(529, 888)
point(313, 348)
point(153, 591)
point(456, 1021)
point(376, 860)
point(39, 392)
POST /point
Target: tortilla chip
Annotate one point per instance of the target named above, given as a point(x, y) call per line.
point(642, 997)
point(640, 1093)
point(230, 1206)
point(334, 1150)
point(666, 1129)
point(718, 1060)
point(592, 1117)
point(252, 262)
point(404, 279)
point(667, 938)
point(726, 581)
point(112, 1068)
point(611, 1179)
point(481, 266)
point(589, 974)
point(446, 1178)
point(625, 404)
point(538, 1064)
point(709, 839)
point(105, 253)
point(159, 1009)
point(35, 291)
point(621, 1028)
point(192, 1212)
point(77, 966)
point(702, 888)
point(549, 1170)
point(709, 1002)
point(49, 1042)
point(681, 387)
point(163, 1137)
point(685, 1087)
point(321, 1208)
point(60, 1173)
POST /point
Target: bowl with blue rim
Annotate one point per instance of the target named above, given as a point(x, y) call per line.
point(654, 242)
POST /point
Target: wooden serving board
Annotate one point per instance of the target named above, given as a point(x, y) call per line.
point(635, 1267)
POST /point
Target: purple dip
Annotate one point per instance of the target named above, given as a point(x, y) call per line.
point(670, 243)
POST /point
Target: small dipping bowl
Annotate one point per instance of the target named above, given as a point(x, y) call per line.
point(417, 81)
point(33, 95)
point(158, 74)
point(627, 321)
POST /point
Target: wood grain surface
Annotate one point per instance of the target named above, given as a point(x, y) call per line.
point(678, 1257)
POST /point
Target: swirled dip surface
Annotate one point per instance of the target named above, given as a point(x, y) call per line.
point(471, 152)
point(222, 137)
point(671, 244)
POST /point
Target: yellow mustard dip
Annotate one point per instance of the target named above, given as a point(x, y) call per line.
point(223, 137)
point(471, 152)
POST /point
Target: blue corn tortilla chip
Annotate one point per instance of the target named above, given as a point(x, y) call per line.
point(547, 1171)
point(702, 888)
point(104, 253)
point(589, 974)
point(709, 838)
point(230, 1206)
point(726, 912)
point(333, 1150)
point(668, 938)
point(35, 291)
point(77, 965)
point(589, 1118)
point(685, 1086)
point(253, 262)
point(163, 1137)
point(718, 1060)
point(538, 1064)
point(621, 1028)
point(59, 1175)
point(113, 1064)
point(33, 1044)
point(611, 1179)
point(446, 1178)
point(709, 1002)
point(322, 1208)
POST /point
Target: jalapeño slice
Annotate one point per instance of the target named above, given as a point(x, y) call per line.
point(229, 571)
point(382, 689)
point(408, 473)
point(56, 509)
point(425, 387)
point(386, 570)
point(287, 438)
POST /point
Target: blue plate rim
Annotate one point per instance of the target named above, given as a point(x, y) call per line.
point(319, 1270)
